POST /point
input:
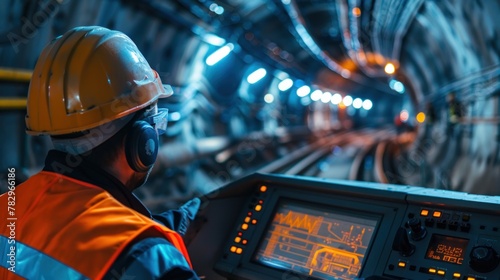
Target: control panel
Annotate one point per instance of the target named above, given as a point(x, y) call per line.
point(288, 227)
point(444, 243)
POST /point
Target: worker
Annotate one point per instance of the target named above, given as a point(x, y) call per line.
point(95, 95)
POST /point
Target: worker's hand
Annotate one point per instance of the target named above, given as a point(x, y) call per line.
point(190, 208)
point(179, 220)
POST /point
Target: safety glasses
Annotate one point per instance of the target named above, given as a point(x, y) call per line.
point(159, 120)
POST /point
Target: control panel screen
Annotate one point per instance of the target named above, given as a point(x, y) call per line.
point(316, 241)
point(447, 249)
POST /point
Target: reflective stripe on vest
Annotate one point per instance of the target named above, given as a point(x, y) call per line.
point(32, 264)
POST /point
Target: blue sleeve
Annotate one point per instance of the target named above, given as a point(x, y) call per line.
point(179, 219)
point(151, 258)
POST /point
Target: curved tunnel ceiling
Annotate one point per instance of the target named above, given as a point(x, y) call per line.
point(345, 44)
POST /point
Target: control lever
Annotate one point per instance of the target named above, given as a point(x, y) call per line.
point(418, 232)
point(402, 243)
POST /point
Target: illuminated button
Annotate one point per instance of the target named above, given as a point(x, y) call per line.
point(258, 207)
point(402, 264)
point(432, 270)
point(263, 188)
point(247, 219)
point(436, 214)
point(239, 251)
point(240, 233)
point(441, 272)
point(244, 226)
point(244, 242)
point(456, 275)
point(233, 249)
point(237, 239)
point(249, 214)
point(254, 221)
point(261, 201)
point(471, 278)
point(424, 212)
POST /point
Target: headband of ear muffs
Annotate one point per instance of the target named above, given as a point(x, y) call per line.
point(141, 146)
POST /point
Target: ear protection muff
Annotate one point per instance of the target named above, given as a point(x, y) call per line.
point(141, 146)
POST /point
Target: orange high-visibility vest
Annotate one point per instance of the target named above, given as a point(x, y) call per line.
point(69, 229)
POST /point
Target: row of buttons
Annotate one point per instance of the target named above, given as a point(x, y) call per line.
point(247, 222)
point(440, 214)
point(437, 271)
point(452, 225)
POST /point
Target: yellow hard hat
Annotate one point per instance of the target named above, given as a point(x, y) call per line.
point(88, 77)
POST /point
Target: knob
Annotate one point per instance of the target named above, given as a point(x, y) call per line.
point(402, 243)
point(417, 231)
point(483, 259)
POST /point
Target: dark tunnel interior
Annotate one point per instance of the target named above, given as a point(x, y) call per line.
point(352, 90)
point(370, 69)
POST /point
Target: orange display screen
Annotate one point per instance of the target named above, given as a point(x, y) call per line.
point(316, 241)
point(447, 249)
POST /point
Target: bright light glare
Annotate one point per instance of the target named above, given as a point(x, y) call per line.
point(174, 116)
point(404, 115)
point(219, 54)
point(347, 100)
point(285, 84)
point(326, 97)
point(256, 75)
point(421, 117)
point(389, 68)
point(216, 9)
point(367, 104)
point(214, 39)
point(357, 103)
point(219, 10)
point(303, 91)
point(268, 98)
point(316, 95)
point(336, 98)
point(399, 87)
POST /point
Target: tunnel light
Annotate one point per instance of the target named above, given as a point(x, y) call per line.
point(269, 98)
point(285, 84)
point(326, 97)
point(356, 11)
point(216, 9)
point(404, 115)
point(367, 104)
point(336, 99)
point(389, 68)
point(174, 116)
point(219, 54)
point(303, 91)
point(399, 87)
point(256, 75)
point(420, 117)
point(347, 100)
point(357, 103)
point(316, 95)
point(213, 39)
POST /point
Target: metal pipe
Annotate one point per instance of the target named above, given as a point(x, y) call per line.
point(15, 75)
point(12, 103)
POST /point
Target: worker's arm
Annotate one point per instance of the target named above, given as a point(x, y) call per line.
point(179, 219)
